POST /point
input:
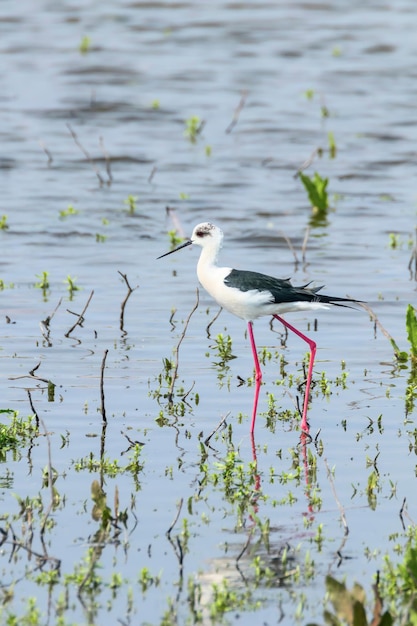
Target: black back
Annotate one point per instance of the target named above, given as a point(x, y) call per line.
point(281, 290)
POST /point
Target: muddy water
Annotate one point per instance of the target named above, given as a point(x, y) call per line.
point(299, 72)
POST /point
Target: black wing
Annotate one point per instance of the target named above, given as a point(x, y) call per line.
point(281, 289)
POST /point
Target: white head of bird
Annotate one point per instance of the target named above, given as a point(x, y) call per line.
point(210, 238)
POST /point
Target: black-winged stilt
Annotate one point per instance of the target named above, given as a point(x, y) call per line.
point(250, 295)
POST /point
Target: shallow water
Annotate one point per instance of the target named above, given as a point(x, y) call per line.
point(150, 67)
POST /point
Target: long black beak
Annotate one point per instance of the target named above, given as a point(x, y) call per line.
point(183, 245)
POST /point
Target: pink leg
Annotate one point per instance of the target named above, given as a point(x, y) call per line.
point(258, 377)
point(312, 344)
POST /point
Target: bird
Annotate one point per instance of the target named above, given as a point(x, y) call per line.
point(250, 295)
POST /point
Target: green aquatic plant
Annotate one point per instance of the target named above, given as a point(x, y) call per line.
point(394, 241)
point(4, 285)
point(146, 579)
point(224, 349)
point(226, 599)
point(131, 202)
point(85, 44)
point(15, 434)
point(3, 222)
point(71, 286)
point(411, 325)
point(398, 582)
point(174, 238)
point(111, 467)
point(349, 606)
point(68, 211)
point(43, 282)
point(316, 188)
point(332, 145)
point(193, 127)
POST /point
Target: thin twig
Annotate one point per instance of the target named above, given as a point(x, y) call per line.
point(237, 112)
point(339, 505)
point(48, 154)
point(210, 324)
point(171, 319)
point(304, 247)
point(170, 211)
point(404, 512)
point(102, 446)
point(32, 375)
point(103, 407)
point(168, 533)
point(246, 546)
point(376, 321)
point(291, 247)
point(401, 513)
point(175, 372)
point(50, 484)
point(108, 161)
point(307, 162)
point(86, 154)
point(40, 558)
point(132, 442)
point(130, 290)
point(219, 425)
point(152, 174)
point(44, 324)
point(33, 408)
point(413, 258)
point(80, 319)
point(185, 396)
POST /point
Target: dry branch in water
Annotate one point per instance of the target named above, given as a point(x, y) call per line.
point(108, 161)
point(86, 154)
point(219, 425)
point(307, 162)
point(48, 154)
point(44, 324)
point(291, 247)
point(176, 366)
point(33, 408)
point(32, 375)
point(210, 324)
point(81, 318)
point(413, 261)
point(103, 406)
point(170, 211)
point(176, 517)
point(339, 505)
point(237, 112)
point(152, 174)
point(304, 247)
point(376, 321)
point(130, 290)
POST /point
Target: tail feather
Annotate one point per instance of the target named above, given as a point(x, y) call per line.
point(312, 294)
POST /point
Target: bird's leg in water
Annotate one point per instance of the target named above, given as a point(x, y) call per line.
point(258, 376)
point(312, 344)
